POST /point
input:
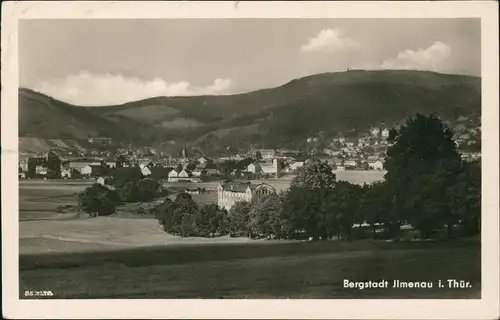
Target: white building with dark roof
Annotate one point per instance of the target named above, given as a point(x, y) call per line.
point(231, 192)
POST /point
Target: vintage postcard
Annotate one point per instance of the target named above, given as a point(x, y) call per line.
point(250, 160)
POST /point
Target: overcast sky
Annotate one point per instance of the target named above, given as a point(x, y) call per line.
point(95, 62)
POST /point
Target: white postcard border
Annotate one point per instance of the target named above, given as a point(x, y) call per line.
point(485, 308)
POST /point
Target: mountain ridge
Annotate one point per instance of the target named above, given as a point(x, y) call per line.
point(322, 102)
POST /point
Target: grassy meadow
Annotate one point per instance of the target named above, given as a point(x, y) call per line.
point(39, 199)
point(264, 269)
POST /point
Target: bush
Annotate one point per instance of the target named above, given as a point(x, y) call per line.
point(141, 191)
point(98, 200)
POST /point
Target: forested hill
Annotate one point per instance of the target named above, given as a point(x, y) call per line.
point(329, 102)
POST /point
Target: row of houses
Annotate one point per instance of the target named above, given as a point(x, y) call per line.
point(198, 169)
point(337, 164)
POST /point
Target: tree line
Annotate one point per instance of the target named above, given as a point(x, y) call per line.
point(102, 199)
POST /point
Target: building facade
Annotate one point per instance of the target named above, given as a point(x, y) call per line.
point(229, 193)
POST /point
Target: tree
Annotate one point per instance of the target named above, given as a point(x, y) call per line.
point(148, 189)
point(365, 165)
point(375, 206)
point(346, 198)
point(124, 175)
point(142, 190)
point(53, 166)
point(98, 199)
point(429, 206)
point(303, 208)
point(164, 214)
point(209, 220)
point(464, 197)
point(419, 145)
point(393, 133)
point(265, 217)
point(128, 191)
point(120, 161)
point(32, 164)
point(315, 174)
point(238, 218)
point(419, 165)
point(191, 166)
point(258, 155)
point(304, 205)
point(183, 215)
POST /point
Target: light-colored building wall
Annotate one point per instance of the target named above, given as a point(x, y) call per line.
point(267, 153)
point(66, 173)
point(145, 171)
point(173, 176)
point(296, 165)
point(228, 198)
point(385, 133)
point(87, 170)
point(41, 170)
point(376, 165)
point(252, 168)
point(23, 164)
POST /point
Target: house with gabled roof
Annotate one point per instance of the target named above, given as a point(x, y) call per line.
point(254, 168)
point(376, 165)
point(231, 192)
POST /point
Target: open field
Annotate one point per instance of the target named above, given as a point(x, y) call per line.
point(39, 199)
point(211, 185)
point(85, 234)
point(265, 269)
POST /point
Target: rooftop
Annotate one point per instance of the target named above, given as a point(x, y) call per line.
point(236, 186)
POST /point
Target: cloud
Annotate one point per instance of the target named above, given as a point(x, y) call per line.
point(89, 89)
point(432, 58)
point(329, 40)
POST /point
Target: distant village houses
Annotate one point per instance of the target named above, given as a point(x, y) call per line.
point(183, 175)
point(100, 140)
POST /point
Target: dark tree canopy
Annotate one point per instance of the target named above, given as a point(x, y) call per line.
point(421, 165)
point(98, 199)
point(53, 166)
point(315, 174)
point(420, 143)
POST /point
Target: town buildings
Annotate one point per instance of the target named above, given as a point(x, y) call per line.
point(183, 175)
point(272, 168)
point(100, 140)
point(267, 154)
point(376, 165)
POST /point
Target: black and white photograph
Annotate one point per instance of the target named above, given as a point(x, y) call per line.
point(209, 157)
